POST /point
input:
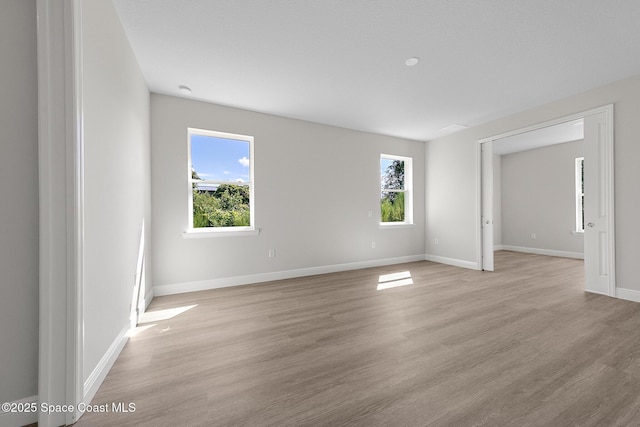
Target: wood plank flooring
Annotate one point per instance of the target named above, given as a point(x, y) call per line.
point(521, 346)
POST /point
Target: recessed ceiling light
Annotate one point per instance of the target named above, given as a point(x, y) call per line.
point(185, 90)
point(412, 61)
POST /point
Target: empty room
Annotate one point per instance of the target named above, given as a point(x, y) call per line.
point(323, 212)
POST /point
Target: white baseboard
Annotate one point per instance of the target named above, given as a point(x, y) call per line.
point(178, 288)
point(452, 261)
point(15, 419)
point(93, 383)
point(628, 294)
point(498, 247)
point(548, 252)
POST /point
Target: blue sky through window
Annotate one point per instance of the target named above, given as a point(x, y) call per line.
point(384, 164)
point(220, 159)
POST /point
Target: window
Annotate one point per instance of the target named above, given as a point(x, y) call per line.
point(396, 181)
point(580, 194)
point(220, 181)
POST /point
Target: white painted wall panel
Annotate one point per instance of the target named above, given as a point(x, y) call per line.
point(117, 191)
point(314, 185)
point(538, 193)
point(451, 198)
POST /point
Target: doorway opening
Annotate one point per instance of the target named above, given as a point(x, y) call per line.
point(528, 180)
point(534, 179)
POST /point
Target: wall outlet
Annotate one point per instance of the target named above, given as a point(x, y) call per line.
point(436, 241)
point(370, 214)
point(373, 245)
point(533, 235)
point(272, 253)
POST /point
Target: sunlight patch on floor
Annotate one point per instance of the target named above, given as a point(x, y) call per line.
point(156, 316)
point(139, 329)
point(394, 280)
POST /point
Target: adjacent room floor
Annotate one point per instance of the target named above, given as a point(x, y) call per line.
point(419, 344)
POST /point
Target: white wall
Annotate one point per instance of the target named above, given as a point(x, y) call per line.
point(314, 185)
point(19, 201)
point(450, 169)
point(538, 194)
point(452, 186)
point(117, 171)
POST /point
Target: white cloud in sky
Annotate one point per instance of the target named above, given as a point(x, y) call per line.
point(226, 172)
point(240, 180)
point(244, 162)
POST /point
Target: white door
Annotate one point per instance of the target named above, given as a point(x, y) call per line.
point(487, 205)
point(598, 246)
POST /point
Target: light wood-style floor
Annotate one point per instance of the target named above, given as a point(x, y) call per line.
point(522, 346)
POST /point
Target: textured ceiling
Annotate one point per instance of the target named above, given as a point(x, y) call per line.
point(341, 62)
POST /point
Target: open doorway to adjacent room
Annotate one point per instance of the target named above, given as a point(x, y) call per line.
point(548, 190)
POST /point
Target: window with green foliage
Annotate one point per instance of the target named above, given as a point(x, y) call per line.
point(220, 180)
point(396, 204)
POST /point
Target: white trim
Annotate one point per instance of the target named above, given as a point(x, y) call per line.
point(628, 294)
point(498, 247)
point(579, 193)
point(479, 219)
point(548, 252)
point(611, 252)
point(204, 233)
point(221, 135)
point(392, 225)
point(452, 261)
point(94, 381)
point(548, 123)
point(179, 288)
point(12, 419)
point(395, 157)
point(60, 171)
point(75, 217)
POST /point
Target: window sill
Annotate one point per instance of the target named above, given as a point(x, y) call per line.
point(390, 225)
point(577, 233)
point(209, 232)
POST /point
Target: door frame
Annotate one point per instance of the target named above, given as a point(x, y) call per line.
point(606, 158)
point(61, 210)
